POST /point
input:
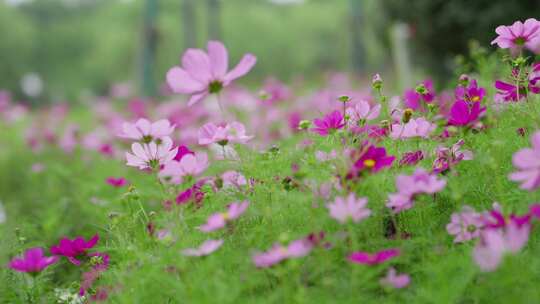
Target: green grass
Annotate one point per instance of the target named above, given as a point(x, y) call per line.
point(43, 207)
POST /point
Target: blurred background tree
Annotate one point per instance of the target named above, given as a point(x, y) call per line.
point(83, 46)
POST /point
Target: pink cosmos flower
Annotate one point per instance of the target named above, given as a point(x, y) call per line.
point(423, 93)
point(278, 253)
point(68, 141)
point(234, 132)
point(495, 243)
point(205, 249)
point(367, 258)
point(527, 162)
point(508, 91)
point(463, 113)
point(362, 112)
point(151, 155)
point(323, 156)
point(329, 123)
point(116, 182)
point(418, 127)
point(410, 186)
point(32, 262)
point(73, 249)
point(146, 131)
point(182, 151)
point(466, 225)
point(518, 35)
point(190, 165)
point(470, 93)
point(411, 158)
point(372, 159)
point(395, 280)
point(233, 179)
point(447, 157)
point(218, 220)
point(204, 73)
point(347, 208)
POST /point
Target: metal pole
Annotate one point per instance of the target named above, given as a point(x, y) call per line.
point(149, 48)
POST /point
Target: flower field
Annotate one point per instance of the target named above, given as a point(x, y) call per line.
point(346, 191)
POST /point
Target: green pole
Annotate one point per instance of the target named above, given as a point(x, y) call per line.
point(357, 49)
point(214, 19)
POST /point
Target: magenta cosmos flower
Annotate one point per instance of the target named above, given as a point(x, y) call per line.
point(329, 123)
point(395, 280)
point(495, 243)
point(205, 249)
point(463, 113)
point(146, 131)
point(218, 220)
point(518, 35)
point(372, 159)
point(447, 157)
point(527, 162)
point(151, 155)
point(466, 225)
point(116, 182)
point(32, 262)
point(409, 186)
point(470, 93)
point(418, 127)
point(349, 208)
point(233, 132)
point(411, 158)
point(204, 73)
point(73, 249)
point(367, 258)
point(423, 93)
point(190, 165)
point(278, 253)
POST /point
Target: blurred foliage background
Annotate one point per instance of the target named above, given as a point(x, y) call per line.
point(83, 46)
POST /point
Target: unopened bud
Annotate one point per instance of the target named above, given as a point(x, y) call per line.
point(344, 98)
point(464, 80)
point(421, 89)
point(407, 114)
point(376, 82)
point(304, 124)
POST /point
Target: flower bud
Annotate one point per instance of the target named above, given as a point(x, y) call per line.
point(407, 114)
point(304, 124)
point(376, 82)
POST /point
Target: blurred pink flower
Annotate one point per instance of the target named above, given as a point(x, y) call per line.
point(278, 253)
point(204, 73)
point(447, 157)
point(349, 208)
point(233, 132)
point(362, 112)
point(367, 258)
point(527, 162)
point(206, 248)
point(418, 127)
point(233, 179)
point(151, 155)
point(495, 243)
point(395, 280)
point(146, 131)
point(323, 156)
point(190, 165)
point(218, 220)
point(409, 186)
point(417, 97)
point(32, 262)
point(518, 35)
point(329, 123)
point(68, 141)
point(466, 225)
point(73, 249)
point(411, 158)
point(116, 182)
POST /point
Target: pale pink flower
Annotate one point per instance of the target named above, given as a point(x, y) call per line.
point(206, 248)
point(278, 253)
point(466, 225)
point(518, 35)
point(527, 161)
point(361, 113)
point(233, 179)
point(395, 280)
point(349, 208)
point(218, 220)
point(323, 156)
point(409, 186)
point(418, 127)
point(234, 132)
point(189, 165)
point(204, 73)
point(495, 243)
point(146, 131)
point(151, 155)
point(68, 141)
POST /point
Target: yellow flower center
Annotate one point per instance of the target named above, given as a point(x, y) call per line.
point(369, 163)
point(475, 98)
point(225, 215)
